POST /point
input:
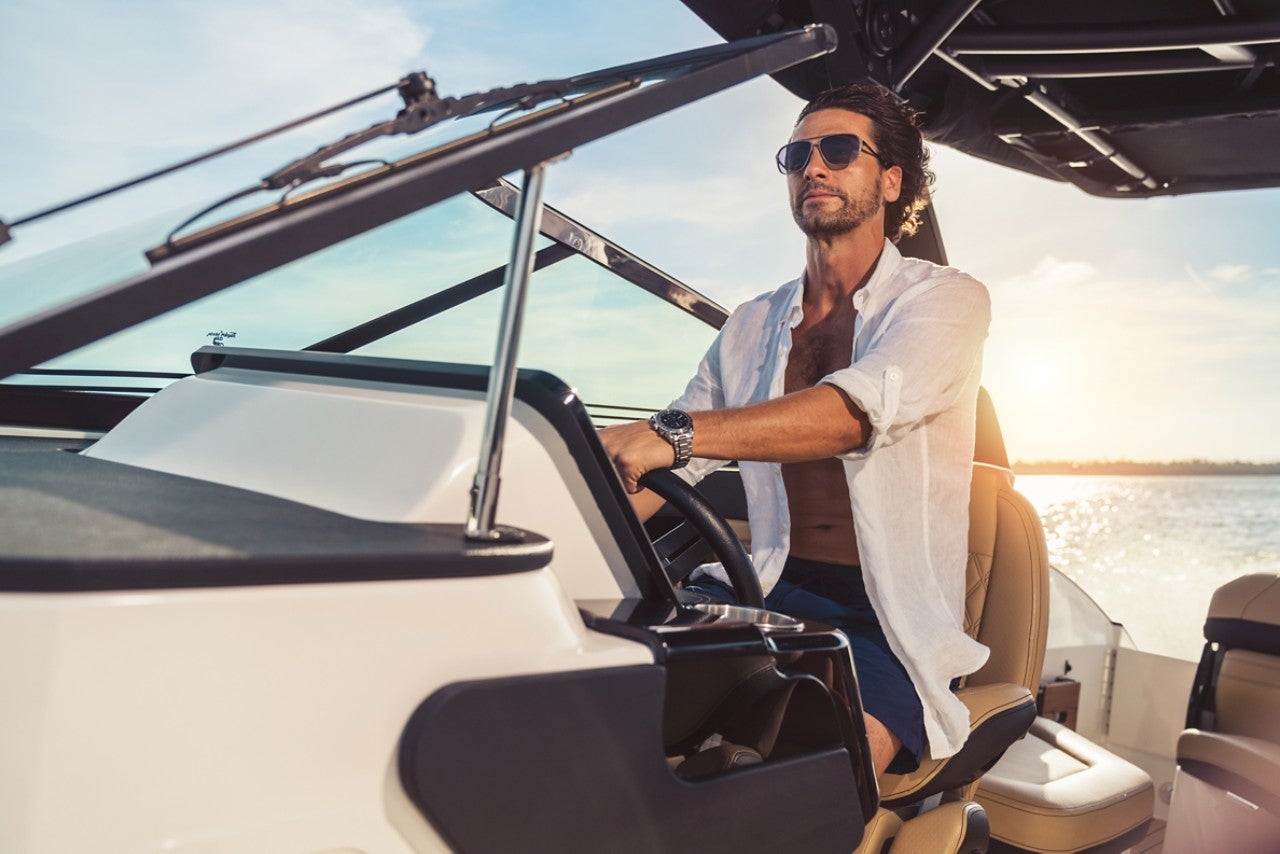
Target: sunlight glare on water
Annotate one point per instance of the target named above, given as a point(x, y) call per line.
point(1151, 550)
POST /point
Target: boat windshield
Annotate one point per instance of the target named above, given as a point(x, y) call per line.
point(583, 323)
point(383, 253)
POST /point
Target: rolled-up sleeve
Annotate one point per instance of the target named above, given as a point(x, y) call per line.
point(918, 359)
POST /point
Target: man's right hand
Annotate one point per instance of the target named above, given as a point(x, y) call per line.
point(635, 449)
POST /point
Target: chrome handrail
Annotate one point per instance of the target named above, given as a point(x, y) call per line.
point(502, 375)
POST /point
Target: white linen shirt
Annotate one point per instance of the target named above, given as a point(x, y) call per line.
point(917, 356)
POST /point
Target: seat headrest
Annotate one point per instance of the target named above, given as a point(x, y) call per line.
point(1245, 614)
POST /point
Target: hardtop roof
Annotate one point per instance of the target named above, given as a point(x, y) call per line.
point(1122, 98)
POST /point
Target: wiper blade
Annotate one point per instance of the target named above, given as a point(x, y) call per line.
point(423, 109)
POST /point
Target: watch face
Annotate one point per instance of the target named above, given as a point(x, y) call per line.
point(674, 419)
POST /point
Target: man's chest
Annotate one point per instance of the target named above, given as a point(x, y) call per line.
point(819, 348)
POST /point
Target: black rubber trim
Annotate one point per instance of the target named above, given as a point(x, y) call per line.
point(56, 407)
point(1238, 633)
point(75, 523)
point(546, 394)
point(983, 749)
point(1207, 772)
point(977, 830)
point(574, 762)
point(1202, 703)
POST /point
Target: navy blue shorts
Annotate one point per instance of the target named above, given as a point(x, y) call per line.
point(835, 595)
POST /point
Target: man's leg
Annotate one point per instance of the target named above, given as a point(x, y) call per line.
point(884, 744)
point(891, 707)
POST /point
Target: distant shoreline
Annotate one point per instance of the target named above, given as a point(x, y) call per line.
point(1125, 467)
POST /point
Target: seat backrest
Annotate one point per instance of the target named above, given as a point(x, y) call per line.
point(1237, 686)
point(1008, 573)
point(1007, 598)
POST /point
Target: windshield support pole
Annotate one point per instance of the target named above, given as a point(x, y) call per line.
point(502, 376)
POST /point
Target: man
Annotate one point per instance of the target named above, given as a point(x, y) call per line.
point(848, 397)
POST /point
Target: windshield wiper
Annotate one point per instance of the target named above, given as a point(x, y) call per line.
point(422, 109)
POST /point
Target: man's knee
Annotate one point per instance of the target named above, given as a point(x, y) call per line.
point(884, 744)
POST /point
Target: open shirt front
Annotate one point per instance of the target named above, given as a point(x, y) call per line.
point(917, 345)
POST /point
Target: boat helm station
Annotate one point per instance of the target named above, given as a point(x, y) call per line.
point(366, 587)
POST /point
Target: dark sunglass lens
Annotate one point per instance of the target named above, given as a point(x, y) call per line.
point(841, 149)
point(794, 156)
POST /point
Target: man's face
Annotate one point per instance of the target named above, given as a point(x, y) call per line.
point(828, 202)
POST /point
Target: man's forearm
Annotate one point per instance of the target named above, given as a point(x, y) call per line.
point(812, 424)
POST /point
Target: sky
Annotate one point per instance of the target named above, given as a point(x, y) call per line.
point(1122, 329)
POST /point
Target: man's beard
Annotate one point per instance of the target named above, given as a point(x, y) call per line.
point(844, 219)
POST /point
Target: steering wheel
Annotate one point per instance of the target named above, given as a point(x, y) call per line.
point(683, 548)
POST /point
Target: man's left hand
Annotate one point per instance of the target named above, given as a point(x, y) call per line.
point(635, 449)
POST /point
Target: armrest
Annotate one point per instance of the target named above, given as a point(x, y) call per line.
point(999, 714)
point(1247, 766)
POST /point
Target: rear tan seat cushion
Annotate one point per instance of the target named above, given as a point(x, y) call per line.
point(1058, 791)
point(1248, 695)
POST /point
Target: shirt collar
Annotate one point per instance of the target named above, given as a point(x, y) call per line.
point(867, 299)
point(870, 297)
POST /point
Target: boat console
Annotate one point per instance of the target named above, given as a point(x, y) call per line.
point(293, 470)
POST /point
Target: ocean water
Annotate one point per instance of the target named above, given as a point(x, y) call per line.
point(1151, 550)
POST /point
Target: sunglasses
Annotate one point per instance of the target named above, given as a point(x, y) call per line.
point(839, 150)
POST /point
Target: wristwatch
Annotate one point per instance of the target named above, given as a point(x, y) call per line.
point(676, 427)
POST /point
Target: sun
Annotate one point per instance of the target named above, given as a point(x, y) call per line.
point(1040, 372)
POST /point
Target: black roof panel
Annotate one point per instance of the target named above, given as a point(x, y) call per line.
point(1119, 97)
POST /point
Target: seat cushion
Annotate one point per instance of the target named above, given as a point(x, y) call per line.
point(998, 715)
point(1057, 791)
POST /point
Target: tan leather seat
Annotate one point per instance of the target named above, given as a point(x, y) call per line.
point(1237, 687)
point(1227, 789)
point(1057, 791)
point(1007, 609)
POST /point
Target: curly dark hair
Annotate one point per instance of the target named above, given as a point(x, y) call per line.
point(896, 135)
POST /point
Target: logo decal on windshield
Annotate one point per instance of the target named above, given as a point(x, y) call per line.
point(219, 338)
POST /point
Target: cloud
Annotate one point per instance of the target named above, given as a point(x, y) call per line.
point(1087, 363)
point(1231, 274)
point(1053, 274)
point(193, 76)
point(206, 68)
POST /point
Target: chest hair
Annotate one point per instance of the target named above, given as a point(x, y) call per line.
point(819, 349)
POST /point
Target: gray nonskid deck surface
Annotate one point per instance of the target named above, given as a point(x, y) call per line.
point(69, 522)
